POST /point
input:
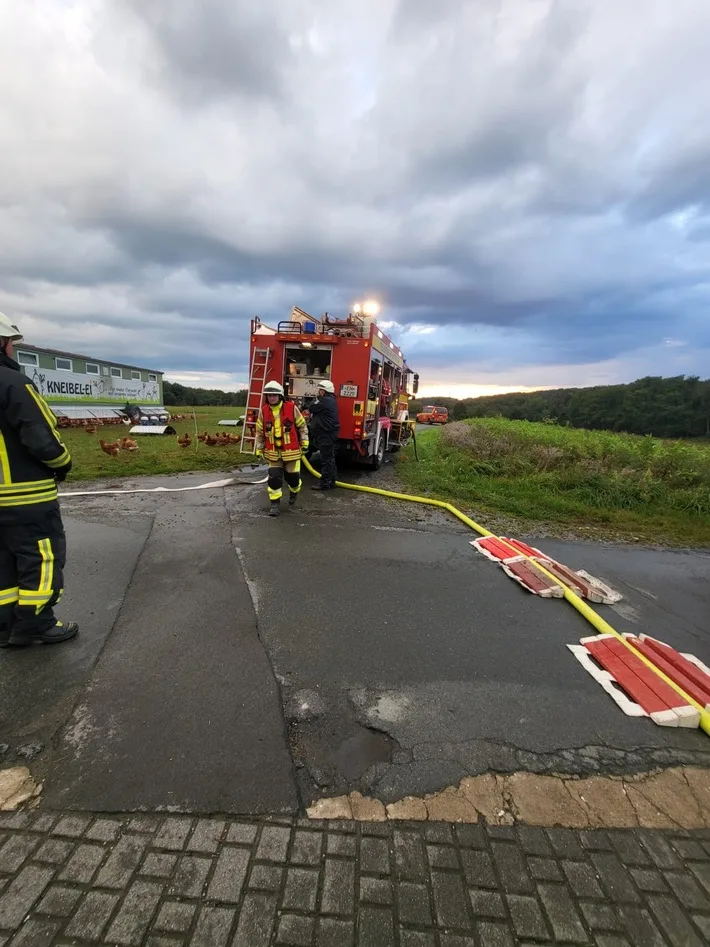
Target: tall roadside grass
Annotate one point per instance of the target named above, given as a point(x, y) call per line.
point(643, 487)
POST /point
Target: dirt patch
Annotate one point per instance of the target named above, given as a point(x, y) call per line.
point(675, 798)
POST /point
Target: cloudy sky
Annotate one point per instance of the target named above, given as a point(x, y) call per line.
point(523, 184)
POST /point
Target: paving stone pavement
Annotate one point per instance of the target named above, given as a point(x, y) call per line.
point(162, 881)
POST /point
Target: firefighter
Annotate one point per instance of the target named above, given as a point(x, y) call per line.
point(324, 428)
point(282, 438)
point(33, 460)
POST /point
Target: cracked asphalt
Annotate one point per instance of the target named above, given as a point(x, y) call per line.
point(233, 663)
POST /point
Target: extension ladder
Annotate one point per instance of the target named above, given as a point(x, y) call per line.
point(257, 380)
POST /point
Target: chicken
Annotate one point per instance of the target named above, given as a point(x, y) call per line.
point(211, 441)
point(129, 444)
point(90, 429)
point(184, 441)
point(112, 449)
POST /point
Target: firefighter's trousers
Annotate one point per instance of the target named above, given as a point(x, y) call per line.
point(281, 469)
point(32, 560)
point(325, 444)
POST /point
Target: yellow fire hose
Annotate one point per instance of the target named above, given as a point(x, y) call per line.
point(601, 626)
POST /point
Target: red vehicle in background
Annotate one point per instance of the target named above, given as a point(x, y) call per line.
point(433, 414)
point(373, 384)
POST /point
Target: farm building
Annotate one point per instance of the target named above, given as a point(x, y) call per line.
point(82, 388)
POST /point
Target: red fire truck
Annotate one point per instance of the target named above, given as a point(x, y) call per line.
point(373, 383)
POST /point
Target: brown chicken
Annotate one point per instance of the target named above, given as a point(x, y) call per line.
point(112, 449)
point(211, 441)
point(90, 429)
point(184, 441)
point(129, 444)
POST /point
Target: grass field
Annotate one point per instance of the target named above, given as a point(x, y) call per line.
point(623, 486)
point(630, 487)
point(155, 454)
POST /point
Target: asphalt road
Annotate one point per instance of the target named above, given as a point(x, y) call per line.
point(169, 704)
point(425, 663)
point(235, 663)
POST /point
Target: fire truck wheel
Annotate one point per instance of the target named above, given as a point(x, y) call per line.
point(379, 455)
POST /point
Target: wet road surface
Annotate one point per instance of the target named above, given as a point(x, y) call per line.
point(235, 663)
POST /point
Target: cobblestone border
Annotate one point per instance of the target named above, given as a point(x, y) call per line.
point(161, 881)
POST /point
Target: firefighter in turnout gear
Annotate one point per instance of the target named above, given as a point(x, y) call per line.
point(33, 460)
point(282, 438)
point(324, 429)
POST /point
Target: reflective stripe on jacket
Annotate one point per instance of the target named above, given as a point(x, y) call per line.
point(281, 432)
point(30, 446)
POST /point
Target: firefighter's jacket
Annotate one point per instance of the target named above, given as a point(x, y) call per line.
point(32, 455)
point(281, 431)
point(324, 424)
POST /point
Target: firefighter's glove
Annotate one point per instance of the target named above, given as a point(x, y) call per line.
point(258, 452)
point(60, 475)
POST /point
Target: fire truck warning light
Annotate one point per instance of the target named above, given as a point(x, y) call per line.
point(369, 308)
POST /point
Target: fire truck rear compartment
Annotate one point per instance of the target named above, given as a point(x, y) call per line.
point(309, 362)
point(372, 382)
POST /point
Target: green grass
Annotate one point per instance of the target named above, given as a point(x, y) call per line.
point(625, 486)
point(155, 454)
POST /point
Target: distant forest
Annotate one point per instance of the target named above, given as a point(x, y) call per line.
point(665, 407)
point(179, 396)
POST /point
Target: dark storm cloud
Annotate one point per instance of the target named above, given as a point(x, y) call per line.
point(511, 123)
point(683, 183)
point(209, 48)
point(520, 182)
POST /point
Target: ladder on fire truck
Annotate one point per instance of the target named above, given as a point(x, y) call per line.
point(257, 380)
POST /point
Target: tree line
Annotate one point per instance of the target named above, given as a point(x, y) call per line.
point(176, 396)
point(664, 407)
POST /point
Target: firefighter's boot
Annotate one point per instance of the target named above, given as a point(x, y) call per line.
point(292, 499)
point(54, 635)
point(275, 508)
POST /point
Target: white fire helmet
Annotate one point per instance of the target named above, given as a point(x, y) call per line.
point(8, 330)
point(327, 386)
point(274, 388)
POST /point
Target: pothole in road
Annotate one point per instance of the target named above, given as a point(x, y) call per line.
point(334, 753)
point(331, 750)
point(363, 749)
